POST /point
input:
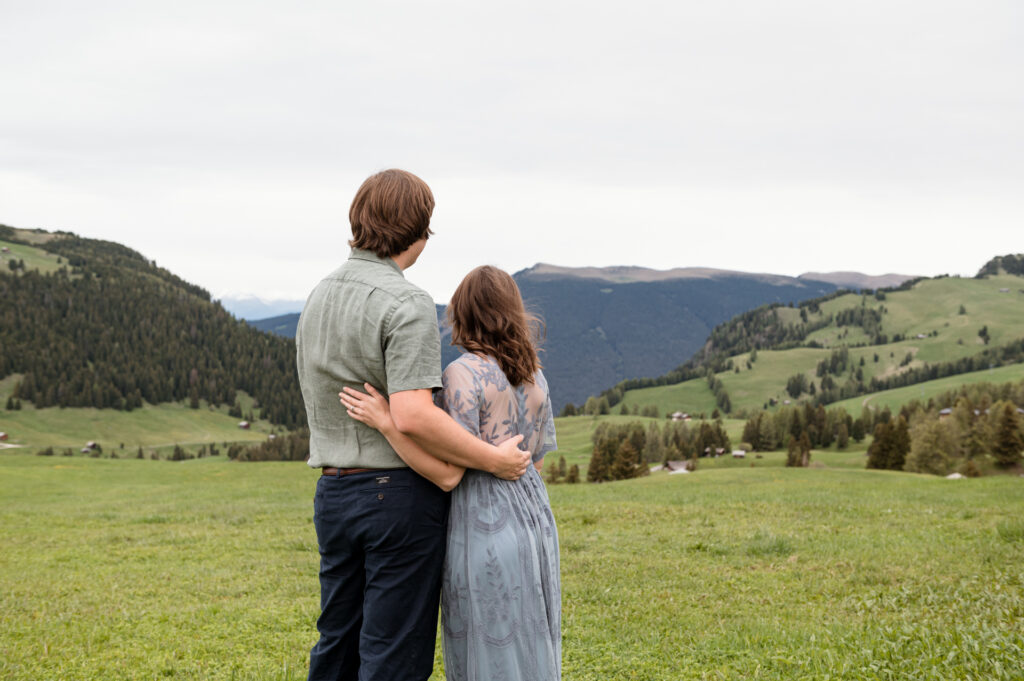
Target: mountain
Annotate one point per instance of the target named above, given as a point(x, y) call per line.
point(856, 281)
point(607, 324)
point(90, 323)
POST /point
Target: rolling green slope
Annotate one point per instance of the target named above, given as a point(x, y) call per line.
point(924, 391)
point(150, 426)
point(923, 325)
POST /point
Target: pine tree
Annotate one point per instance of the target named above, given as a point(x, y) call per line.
point(562, 467)
point(793, 452)
point(900, 445)
point(842, 437)
point(805, 450)
point(574, 475)
point(857, 431)
point(1009, 442)
point(624, 465)
point(878, 452)
point(596, 470)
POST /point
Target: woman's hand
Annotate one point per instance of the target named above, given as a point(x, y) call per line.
point(370, 408)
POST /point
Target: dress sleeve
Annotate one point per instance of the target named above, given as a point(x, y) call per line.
point(461, 395)
point(412, 345)
point(545, 439)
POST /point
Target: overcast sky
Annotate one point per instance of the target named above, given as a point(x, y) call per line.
point(226, 139)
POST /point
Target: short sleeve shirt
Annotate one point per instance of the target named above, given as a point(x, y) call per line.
point(364, 322)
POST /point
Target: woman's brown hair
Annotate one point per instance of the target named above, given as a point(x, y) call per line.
point(391, 211)
point(488, 317)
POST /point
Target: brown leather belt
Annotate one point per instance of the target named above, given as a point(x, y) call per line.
point(338, 472)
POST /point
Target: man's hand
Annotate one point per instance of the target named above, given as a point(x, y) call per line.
point(511, 462)
point(415, 415)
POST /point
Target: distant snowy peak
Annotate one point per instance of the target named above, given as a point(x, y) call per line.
point(247, 306)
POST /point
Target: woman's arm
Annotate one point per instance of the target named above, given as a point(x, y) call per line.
point(373, 410)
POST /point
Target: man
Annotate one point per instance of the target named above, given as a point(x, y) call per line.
point(380, 526)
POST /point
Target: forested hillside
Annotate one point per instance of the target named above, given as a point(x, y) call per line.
point(847, 344)
point(96, 324)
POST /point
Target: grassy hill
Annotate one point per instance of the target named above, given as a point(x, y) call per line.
point(924, 391)
point(139, 570)
point(926, 320)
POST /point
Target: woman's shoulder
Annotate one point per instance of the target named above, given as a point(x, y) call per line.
point(540, 381)
point(466, 364)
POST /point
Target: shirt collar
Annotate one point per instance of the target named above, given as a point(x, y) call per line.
point(360, 254)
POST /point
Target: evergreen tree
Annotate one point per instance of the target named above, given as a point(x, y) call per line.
point(574, 474)
point(842, 437)
point(805, 450)
point(596, 471)
point(793, 454)
point(562, 470)
point(878, 452)
point(1009, 441)
point(624, 465)
point(900, 445)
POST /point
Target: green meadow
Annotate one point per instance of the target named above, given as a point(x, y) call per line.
point(34, 258)
point(207, 569)
point(154, 428)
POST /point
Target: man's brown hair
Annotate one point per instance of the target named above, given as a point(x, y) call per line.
point(488, 317)
point(391, 211)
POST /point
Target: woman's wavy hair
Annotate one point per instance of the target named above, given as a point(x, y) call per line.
point(488, 317)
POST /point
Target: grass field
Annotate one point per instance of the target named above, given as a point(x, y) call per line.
point(155, 428)
point(206, 569)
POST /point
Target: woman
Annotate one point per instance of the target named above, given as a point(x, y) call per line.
point(501, 598)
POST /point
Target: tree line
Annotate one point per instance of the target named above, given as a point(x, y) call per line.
point(626, 451)
point(962, 430)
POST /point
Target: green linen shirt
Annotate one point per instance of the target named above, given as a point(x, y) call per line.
point(364, 322)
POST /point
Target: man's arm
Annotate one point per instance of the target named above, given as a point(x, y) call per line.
point(416, 416)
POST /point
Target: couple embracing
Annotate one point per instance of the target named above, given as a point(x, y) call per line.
point(429, 482)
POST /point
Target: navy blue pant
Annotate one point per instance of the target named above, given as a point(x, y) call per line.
point(382, 538)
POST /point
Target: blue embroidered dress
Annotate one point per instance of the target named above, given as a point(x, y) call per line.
point(501, 599)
